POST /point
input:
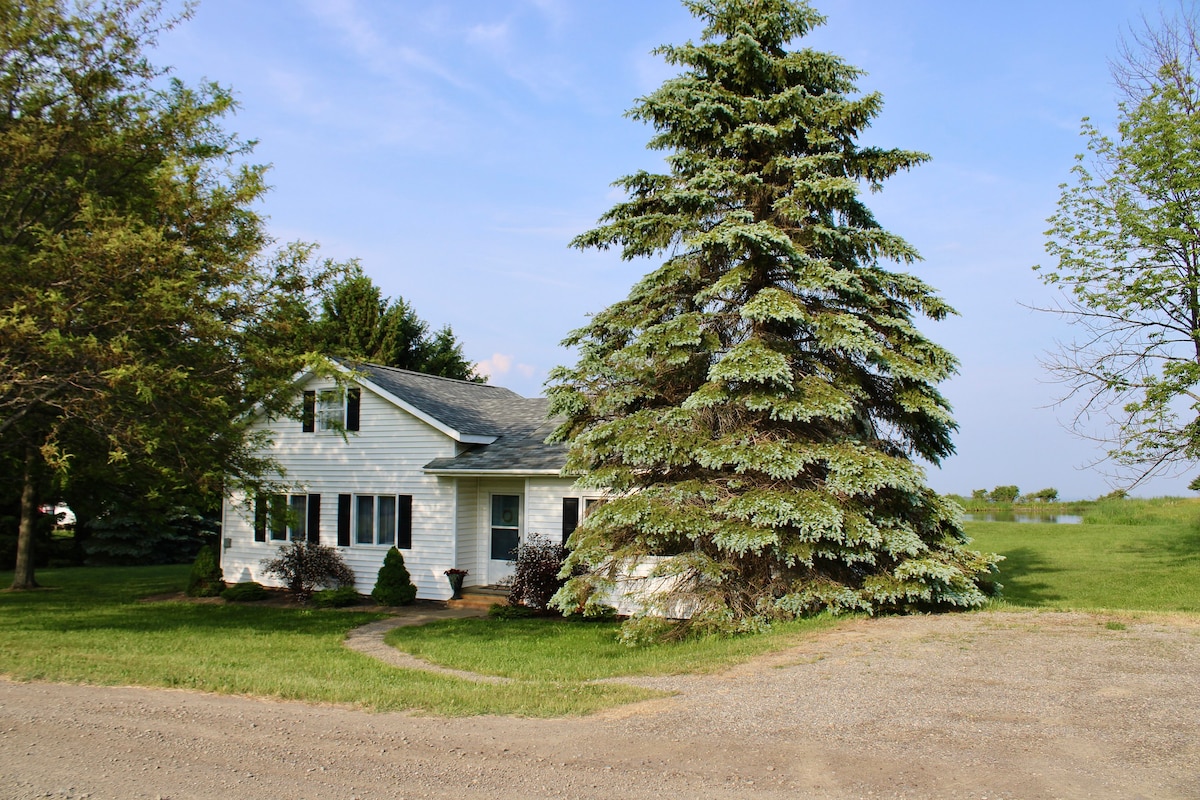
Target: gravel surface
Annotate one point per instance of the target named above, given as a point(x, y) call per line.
point(993, 705)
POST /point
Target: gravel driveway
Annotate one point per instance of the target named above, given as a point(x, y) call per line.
point(990, 705)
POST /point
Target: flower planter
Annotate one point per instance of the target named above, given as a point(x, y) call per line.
point(456, 582)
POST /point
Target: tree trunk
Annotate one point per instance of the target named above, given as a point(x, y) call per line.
point(23, 574)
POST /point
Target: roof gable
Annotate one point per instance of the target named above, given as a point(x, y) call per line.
point(507, 432)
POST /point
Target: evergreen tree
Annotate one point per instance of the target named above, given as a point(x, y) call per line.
point(393, 584)
point(756, 402)
point(358, 322)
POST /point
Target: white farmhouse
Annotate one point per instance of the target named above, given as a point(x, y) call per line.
point(453, 473)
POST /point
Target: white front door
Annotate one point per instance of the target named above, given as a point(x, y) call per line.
point(503, 536)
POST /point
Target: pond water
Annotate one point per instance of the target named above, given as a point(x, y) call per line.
point(1010, 516)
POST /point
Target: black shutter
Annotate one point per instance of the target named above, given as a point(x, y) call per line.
point(260, 518)
point(314, 519)
point(404, 523)
point(308, 421)
point(353, 402)
point(570, 517)
point(343, 520)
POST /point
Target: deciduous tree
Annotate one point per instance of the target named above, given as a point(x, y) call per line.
point(757, 402)
point(1126, 247)
point(133, 268)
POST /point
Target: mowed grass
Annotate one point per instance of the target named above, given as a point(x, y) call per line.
point(1129, 555)
point(89, 626)
point(579, 650)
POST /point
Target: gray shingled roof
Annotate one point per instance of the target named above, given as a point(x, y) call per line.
point(519, 423)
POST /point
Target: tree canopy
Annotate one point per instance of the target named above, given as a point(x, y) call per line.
point(135, 276)
point(756, 403)
point(1126, 242)
point(355, 320)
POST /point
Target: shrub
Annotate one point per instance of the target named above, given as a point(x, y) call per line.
point(143, 534)
point(1004, 494)
point(206, 578)
point(337, 598)
point(535, 578)
point(304, 567)
point(394, 586)
point(244, 593)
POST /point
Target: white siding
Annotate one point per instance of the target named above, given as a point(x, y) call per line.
point(385, 456)
point(544, 505)
point(469, 533)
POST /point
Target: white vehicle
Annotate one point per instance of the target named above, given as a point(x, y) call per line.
point(64, 517)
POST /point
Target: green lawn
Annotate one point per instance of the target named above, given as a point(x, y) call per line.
point(579, 650)
point(1151, 566)
point(89, 627)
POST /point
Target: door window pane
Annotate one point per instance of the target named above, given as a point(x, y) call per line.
point(504, 544)
point(506, 526)
point(505, 510)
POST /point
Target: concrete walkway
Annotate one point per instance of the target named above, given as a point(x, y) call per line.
point(368, 640)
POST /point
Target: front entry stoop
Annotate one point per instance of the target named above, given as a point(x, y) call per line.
point(483, 597)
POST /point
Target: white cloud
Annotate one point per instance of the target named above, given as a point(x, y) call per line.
point(383, 57)
point(493, 36)
point(498, 364)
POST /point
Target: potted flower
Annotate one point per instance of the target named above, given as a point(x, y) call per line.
point(456, 576)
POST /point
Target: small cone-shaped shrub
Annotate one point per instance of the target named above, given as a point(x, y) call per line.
point(206, 578)
point(394, 586)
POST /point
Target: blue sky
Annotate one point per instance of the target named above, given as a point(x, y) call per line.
point(456, 146)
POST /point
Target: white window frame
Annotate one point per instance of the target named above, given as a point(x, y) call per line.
point(376, 508)
point(331, 410)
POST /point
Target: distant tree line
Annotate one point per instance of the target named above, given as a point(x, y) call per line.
point(1011, 494)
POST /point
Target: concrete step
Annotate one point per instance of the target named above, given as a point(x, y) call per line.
point(483, 597)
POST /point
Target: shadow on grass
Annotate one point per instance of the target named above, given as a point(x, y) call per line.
point(1171, 549)
point(1019, 573)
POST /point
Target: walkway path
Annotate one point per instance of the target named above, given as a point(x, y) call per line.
point(368, 640)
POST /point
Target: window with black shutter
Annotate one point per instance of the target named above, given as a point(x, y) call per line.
point(570, 520)
point(308, 420)
point(343, 528)
point(260, 518)
point(353, 403)
point(404, 528)
point(314, 519)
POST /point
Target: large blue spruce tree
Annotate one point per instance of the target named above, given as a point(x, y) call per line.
point(756, 403)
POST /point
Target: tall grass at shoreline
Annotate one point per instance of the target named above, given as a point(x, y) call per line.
point(1113, 511)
